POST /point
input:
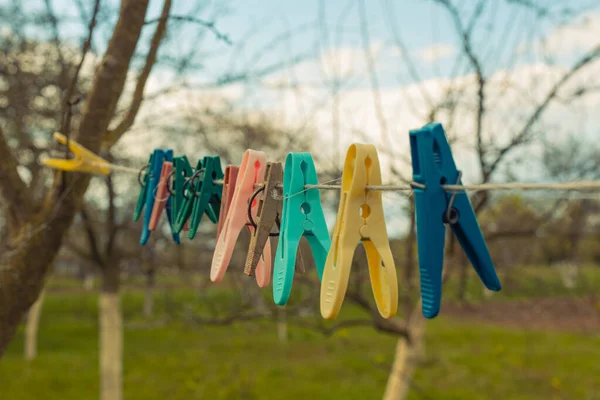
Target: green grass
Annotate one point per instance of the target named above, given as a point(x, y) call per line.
point(179, 360)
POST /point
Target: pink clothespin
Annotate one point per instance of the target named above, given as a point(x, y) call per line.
point(161, 196)
point(229, 180)
point(251, 172)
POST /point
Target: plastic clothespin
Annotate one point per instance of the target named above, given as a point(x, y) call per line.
point(267, 215)
point(200, 195)
point(302, 216)
point(186, 182)
point(162, 195)
point(182, 171)
point(84, 161)
point(360, 219)
point(229, 180)
point(433, 166)
point(148, 191)
point(251, 173)
point(207, 194)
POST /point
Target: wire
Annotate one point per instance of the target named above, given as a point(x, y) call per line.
point(565, 186)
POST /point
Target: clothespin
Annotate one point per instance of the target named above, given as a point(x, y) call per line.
point(200, 195)
point(229, 180)
point(84, 161)
point(360, 219)
point(251, 173)
point(162, 195)
point(182, 171)
point(207, 194)
point(433, 166)
point(267, 216)
point(302, 216)
point(147, 195)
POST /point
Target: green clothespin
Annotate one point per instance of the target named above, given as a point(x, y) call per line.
point(182, 170)
point(185, 180)
point(207, 194)
point(141, 201)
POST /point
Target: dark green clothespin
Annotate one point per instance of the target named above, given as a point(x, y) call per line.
point(182, 171)
point(141, 201)
point(185, 181)
point(207, 194)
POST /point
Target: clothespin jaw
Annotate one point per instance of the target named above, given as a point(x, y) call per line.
point(302, 216)
point(433, 166)
point(207, 194)
point(154, 171)
point(84, 161)
point(251, 173)
point(360, 219)
point(229, 180)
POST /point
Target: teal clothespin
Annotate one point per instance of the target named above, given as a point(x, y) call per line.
point(207, 194)
point(147, 194)
point(302, 215)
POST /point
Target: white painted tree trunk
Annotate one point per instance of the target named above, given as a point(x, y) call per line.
point(32, 328)
point(111, 347)
point(408, 354)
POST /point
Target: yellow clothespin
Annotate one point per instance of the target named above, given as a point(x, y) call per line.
point(360, 219)
point(84, 161)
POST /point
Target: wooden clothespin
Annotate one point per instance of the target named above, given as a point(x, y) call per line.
point(84, 161)
point(251, 173)
point(302, 216)
point(360, 219)
point(267, 216)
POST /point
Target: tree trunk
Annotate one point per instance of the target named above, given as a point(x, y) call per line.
point(36, 233)
point(408, 353)
point(111, 337)
point(31, 329)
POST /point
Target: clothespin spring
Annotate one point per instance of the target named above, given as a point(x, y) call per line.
point(451, 215)
point(250, 218)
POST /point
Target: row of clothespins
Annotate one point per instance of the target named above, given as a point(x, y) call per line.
point(258, 195)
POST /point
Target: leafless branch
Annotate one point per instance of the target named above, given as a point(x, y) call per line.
point(207, 24)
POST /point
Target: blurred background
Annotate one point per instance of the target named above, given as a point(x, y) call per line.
point(86, 312)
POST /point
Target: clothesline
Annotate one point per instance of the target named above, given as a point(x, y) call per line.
point(575, 185)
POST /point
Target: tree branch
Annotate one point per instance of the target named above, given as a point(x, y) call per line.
point(114, 135)
point(522, 136)
point(207, 24)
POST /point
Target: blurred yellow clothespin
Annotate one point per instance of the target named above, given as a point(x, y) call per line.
point(84, 161)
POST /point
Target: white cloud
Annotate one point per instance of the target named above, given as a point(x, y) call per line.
point(436, 52)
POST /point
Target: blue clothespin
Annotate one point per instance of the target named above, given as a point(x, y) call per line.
point(302, 215)
point(433, 166)
point(147, 194)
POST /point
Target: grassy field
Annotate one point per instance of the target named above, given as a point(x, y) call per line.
point(171, 358)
